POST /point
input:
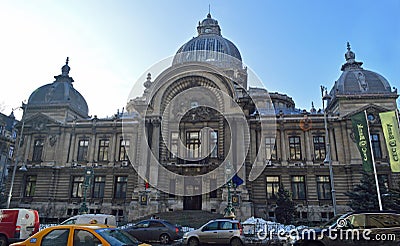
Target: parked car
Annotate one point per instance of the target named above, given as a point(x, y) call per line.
point(17, 224)
point(219, 231)
point(155, 230)
point(355, 228)
point(81, 235)
point(105, 219)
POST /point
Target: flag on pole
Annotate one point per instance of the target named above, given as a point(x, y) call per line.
point(237, 180)
point(390, 127)
point(360, 128)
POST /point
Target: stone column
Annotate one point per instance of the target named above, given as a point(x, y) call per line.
point(283, 145)
point(155, 151)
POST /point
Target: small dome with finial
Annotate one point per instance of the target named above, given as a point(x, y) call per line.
point(60, 93)
point(349, 54)
point(355, 80)
point(65, 69)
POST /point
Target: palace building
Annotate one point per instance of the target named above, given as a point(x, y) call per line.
point(196, 126)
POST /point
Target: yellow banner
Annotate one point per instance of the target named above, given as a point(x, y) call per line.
point(390, 128)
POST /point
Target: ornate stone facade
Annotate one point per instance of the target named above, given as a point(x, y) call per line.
point(144, 163)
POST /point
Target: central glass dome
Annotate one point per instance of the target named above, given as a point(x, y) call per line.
point(209, 46)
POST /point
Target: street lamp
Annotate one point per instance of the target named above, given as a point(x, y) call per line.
point(328, 160)
point(89, 173)
point(23, 168)
point(229, 210)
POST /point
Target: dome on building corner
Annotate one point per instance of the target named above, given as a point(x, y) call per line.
point(209, 46)
point(356, 80)
point(60, 93)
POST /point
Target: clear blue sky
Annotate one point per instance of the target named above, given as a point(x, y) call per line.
point(293, 46)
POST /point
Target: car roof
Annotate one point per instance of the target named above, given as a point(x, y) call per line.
point(80, 226)
point(224, 219)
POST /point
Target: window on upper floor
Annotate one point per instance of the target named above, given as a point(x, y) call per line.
point(193, 144)
point(319, 148)
point(213, 144)
point(124, 145)
point(376, 146)
point(103, 150)
point(83, 147)
point(294, 148)
point(173, 147)
point(270, 148)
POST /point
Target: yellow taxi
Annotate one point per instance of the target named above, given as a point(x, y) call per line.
point(81, 235)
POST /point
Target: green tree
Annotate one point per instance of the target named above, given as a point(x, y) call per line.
point(364, 195)
point(285, 209)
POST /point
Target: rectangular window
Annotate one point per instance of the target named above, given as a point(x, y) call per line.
point(213, 144)
point(172, 184)
point(77, 186)
point(319, 148)
point(174, 145)
point(324, 187)
point(98, 186)
point(83, 147)
point(213, 188)
point(295, 148)
point(193, 144)
point(124, 145)
point(270, 148)
point(273, 183)
point(376, 146)
point(30, 185)
point(298, 187)
point(103, 150)
point(120, 186)
point(37, 150)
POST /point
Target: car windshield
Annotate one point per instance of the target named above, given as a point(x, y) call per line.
point(117, 237)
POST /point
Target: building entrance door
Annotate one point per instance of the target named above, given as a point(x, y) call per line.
point(191, 200)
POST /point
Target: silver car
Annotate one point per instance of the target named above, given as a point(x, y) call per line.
point(219, 231)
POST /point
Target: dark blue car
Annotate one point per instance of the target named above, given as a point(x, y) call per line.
point(155, 230)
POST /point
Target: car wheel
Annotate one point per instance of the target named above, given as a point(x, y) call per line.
point(236, 242)
point(164, 239)
point(193, 242)
point(3, 241)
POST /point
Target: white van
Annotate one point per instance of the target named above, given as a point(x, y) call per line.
point(17, 224)
point(105, 219)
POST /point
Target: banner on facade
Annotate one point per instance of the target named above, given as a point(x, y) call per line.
point(390, 127)
point(360, 128)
